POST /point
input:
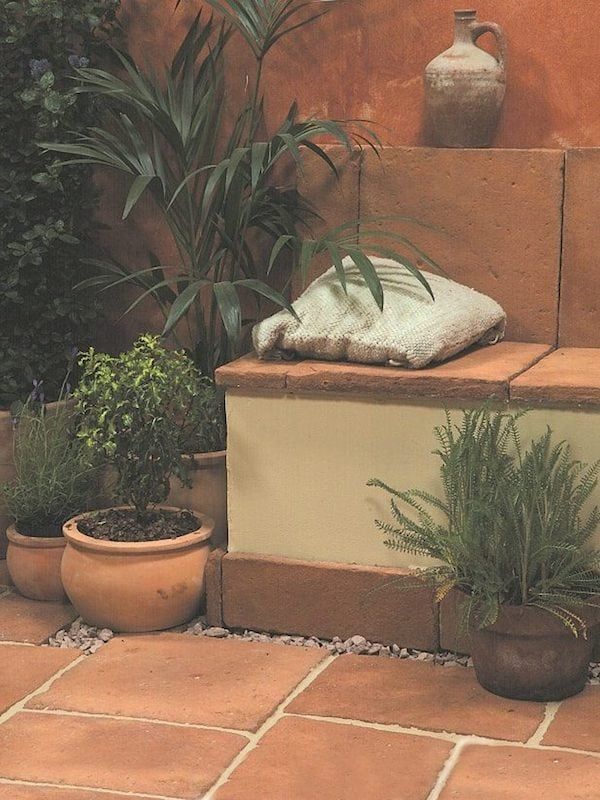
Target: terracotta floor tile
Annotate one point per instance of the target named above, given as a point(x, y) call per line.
point(577, 722)
point(24, 668)
point(181, 678)
point(302, 760)
point(4, 576)
point(23, 620)
point(12, 791)
point(415, 694)
point(112, 754)
point(511, 773)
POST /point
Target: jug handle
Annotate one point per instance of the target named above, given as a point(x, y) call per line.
point(479, 28)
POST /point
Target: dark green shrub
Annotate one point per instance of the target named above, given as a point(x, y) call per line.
point(45, 211)
point(133, 409)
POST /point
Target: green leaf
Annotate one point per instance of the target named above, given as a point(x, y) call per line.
point(369, 274)
point(180, 307)
point(230, 310)
point(283, 241)
point(138, 187)
point(267, 291)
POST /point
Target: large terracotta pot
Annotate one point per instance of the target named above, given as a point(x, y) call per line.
point(528, 654)
point(208, 492)
point(34, 565)
point(136, 586)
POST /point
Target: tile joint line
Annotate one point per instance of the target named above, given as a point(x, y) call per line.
point(275, 717)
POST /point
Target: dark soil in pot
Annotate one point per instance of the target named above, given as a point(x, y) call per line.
point(124, 525)
point(41, 529)
point(528, 654)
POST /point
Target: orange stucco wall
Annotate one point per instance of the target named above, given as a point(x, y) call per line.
point(366, 58)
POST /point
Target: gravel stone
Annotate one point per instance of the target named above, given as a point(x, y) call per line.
point(79, 636)
point(216, 633)
point(89, 639)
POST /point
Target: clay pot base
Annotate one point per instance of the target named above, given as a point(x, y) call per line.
point(34, 565)
point(530, 655)
point(136, 586)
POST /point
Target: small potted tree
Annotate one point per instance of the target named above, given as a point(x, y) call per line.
point(510, 534)
point(137, 567)
point(54, 479)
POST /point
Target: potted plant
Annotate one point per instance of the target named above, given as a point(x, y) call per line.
point(139, 566)
point(512, 537)
point(54, 479)
point(228, 193)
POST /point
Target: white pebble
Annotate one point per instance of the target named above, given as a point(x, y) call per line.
point(216, 633)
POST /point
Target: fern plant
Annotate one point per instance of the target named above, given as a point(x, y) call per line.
point(510, 527)
point(226, 192)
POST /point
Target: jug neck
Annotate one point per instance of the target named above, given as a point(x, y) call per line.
point(462, 26)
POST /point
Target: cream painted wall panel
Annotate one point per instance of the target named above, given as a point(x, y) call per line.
point(298, 465)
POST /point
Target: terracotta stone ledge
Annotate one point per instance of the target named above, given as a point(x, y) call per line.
point(322, 599)
point(570, 376)
point(479, 374)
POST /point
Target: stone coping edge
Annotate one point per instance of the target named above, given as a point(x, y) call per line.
point(479, 374)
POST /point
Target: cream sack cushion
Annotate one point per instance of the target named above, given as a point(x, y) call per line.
point(412, 330)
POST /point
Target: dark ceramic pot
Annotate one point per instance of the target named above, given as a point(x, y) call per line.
point(528, 654)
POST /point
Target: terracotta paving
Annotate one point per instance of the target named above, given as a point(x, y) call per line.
point(23, 669)
point(508, 773)
point(14, 791)
point(173, 717)
point(31, 621)
point(183, 679)
point(416, 695)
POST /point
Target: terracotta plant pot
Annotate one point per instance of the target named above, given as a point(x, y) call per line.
point(208, 493)
point(34, 565)
point(136, 586)
point(528, 654)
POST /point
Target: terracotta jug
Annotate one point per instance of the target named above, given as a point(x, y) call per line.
point(464, 86)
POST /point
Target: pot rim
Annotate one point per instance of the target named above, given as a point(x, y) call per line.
point(39, 542)
point(84, 542)
point(6, 414)
point(535, 621)
point(206, 460)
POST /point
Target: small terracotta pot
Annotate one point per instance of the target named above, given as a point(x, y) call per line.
point(528, 654)
point(34, 565)
point(136, 586)
point(208, 492)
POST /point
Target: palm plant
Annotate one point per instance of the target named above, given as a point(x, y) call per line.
point(219, 188)
point(513, 529)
